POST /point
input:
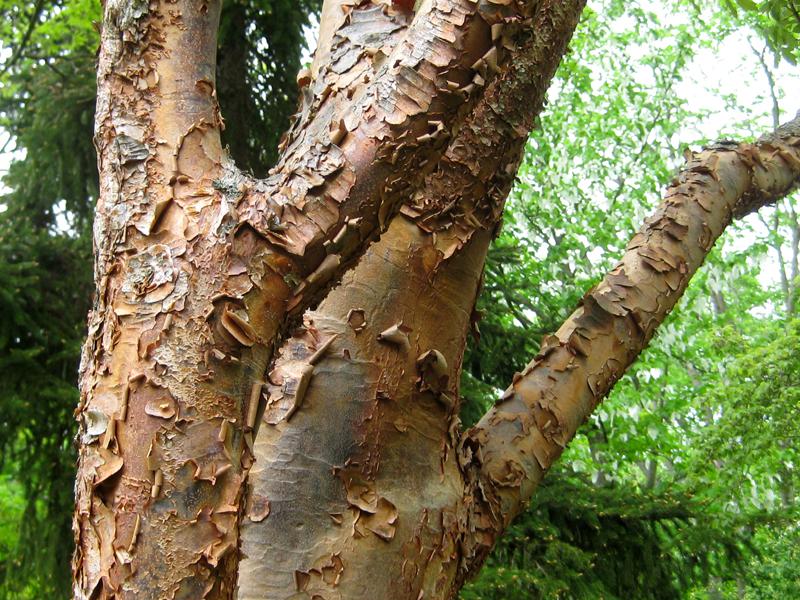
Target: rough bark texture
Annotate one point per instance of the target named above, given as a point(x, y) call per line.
point(197, 267)
point(364, 486)
point(353, 474)
point(508, 452)
point(157, 135)
point(356, 491)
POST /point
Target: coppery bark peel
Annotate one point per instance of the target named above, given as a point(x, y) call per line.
point(363, 484)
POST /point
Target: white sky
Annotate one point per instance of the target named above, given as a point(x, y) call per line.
point(735, 72)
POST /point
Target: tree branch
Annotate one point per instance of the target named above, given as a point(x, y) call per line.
point(776, 111)
point(374, 371)
point(198, 267)
point(356, 151)
point(794, 10)
point(17, 54)
point(508, 452)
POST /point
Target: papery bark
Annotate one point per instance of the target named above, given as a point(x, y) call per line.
point(509, 451)
point(157, 136)
point(356, 490)
point(364, 486)
point(198, 268)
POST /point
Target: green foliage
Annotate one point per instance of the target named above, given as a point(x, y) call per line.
point(778, 22)
point(44, 290)
point(755, 425)
point(12, 505)
point(616, 542)
point(47, 106)
point(675, 433)
point(774, 574)
point(260, 43)
point(592, 166)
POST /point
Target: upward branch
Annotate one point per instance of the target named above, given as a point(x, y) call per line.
point(199, 268)
point(508, 452)
point(374, 120)
point(362, 409)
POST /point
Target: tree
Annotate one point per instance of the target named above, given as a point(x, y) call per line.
point(47, 109)
point(359, 460)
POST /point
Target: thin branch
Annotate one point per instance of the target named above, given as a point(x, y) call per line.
point(793, 283)
point(775, 244)
point(34, 20)
point(6, 143)
point(657, 118)
point(776, 111)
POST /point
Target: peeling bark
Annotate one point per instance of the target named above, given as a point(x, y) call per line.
point(198, 267)
point(157, 135)
point(363, 485)
point(357, 149)
point(356, 456)
point(508, 452)
point(354, 463)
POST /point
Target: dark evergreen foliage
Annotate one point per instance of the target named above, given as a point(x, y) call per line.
point(260, 43)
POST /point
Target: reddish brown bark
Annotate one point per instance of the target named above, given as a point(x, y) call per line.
point(508, 452)
point(157, 135)
point(199, 269)
point(356, 490)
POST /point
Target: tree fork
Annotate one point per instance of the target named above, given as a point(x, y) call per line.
point(197, 268)
point(356, 490)
point(200, 269)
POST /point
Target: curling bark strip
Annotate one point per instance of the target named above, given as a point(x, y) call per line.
point(197, 266)
point(354, 465)
point(356, 151)
point(508, 452)
point(360, 427)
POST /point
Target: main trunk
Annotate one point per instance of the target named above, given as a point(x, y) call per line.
point(336, 468)
point(199, 269)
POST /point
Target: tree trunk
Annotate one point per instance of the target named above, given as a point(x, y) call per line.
point(363, 485)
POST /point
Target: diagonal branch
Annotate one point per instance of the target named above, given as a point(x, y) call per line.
point(508, 452)
point(356, 151)
point(795, 11)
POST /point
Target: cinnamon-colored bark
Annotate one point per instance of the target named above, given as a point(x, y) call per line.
point(198, 267)
point(157, 135)
point(361, 480)
point(508, 452)
point(356, 491)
